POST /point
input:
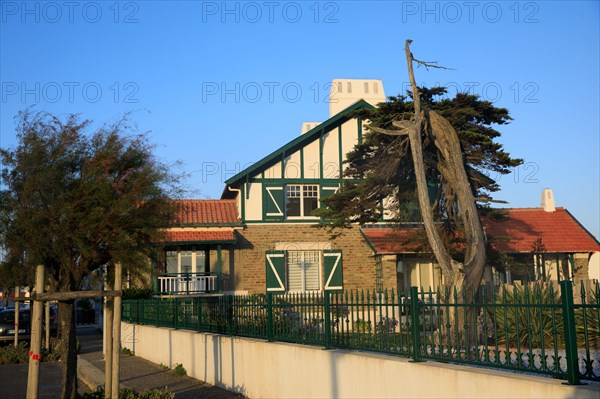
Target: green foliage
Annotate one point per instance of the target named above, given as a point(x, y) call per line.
point(587, 320)
point(362, 326)
point(128, 393)
point(75, 201)
point(137, 293)
point(126, 351)
point(382, 165)
point(533, 323)
point(179, 370)
point(9, 354)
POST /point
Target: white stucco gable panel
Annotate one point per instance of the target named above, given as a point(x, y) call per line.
point(254, 201)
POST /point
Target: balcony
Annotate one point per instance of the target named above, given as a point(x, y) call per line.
point(187, 283)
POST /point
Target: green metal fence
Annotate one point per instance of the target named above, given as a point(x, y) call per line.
point(540, 329)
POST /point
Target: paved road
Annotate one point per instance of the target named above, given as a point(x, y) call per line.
point(13, 381)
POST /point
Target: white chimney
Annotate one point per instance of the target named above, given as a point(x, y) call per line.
point(345, 92)
point(306, 126)
point(548, 200)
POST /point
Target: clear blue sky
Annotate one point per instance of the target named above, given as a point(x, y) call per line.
point(220, 85)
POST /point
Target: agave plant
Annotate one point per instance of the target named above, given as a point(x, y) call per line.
point(529, 317)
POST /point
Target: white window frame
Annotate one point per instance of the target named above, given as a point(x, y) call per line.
point(302, 216)
point(320, 270)
point(194, 264)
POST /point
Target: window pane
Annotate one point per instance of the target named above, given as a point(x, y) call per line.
point(311, 191)
point(425, 276)
point(200, 261)
point(171, 261)
point(310, 204)
point(292, 205)
point(311, 270)
point(294, 259)
point(186, 261)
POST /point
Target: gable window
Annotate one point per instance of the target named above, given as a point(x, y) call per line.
point(303, 271)
point(301, 200)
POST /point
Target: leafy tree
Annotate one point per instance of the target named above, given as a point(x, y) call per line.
point(74, 201)
point(383, 170)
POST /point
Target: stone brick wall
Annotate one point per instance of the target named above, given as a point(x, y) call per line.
point(254, 240)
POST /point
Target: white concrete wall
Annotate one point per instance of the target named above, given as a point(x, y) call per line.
point(258, 369)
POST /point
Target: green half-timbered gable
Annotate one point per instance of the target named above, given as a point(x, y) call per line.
point(288, 184)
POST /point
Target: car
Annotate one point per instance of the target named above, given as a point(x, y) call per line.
point(7, 323)
point(8, 328)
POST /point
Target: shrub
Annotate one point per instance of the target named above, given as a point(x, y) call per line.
point(387, 325)
point(589, 319)
point(179, 370)
point(532, 323)
point(128, 393)
point(362, 326)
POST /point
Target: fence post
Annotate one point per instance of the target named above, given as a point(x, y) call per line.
point(566, 296)
point(327, 303)
point(175, 312)
point(414, 316)
point(229, 310)
point(269, 316)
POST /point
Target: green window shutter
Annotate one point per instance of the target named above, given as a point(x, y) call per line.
point(327, 190)
point(275, 267)
point(332, 264)
point(274, 202)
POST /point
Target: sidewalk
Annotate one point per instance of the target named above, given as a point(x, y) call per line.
point(138, 373)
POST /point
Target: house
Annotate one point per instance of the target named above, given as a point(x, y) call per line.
point(260, 236)
point(545, 243)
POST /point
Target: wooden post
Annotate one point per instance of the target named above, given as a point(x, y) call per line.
point(17, 294)
point(108, 344)
point(116, 347)
point(36, 338)
point(47, 325)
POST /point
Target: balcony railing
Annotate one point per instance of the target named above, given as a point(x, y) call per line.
point(187, 283)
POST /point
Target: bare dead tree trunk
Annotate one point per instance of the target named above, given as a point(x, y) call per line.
point(465, 276)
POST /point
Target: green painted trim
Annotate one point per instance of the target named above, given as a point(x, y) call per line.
point(321, 145)
point(182, 243)
point(341, 155)
point(303, 181)
point(302, 163)
point(243, 201)
point(360, 134)
point(237, 224)
point(299, 142)
point(219, 269)
point(293, 221)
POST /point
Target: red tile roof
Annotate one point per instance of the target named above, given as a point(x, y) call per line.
point(203, 235)
point(560, 232)
point(205, 212)
point(392, 241)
